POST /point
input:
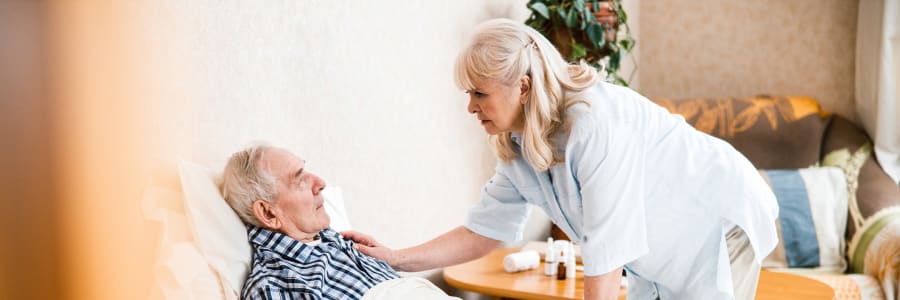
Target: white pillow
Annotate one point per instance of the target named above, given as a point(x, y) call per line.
point(334, 206)
point(220, 234)
point(217, 230)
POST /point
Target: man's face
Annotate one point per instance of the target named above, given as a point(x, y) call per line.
point(298, 204)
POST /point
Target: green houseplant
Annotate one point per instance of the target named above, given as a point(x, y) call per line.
point(596, 31)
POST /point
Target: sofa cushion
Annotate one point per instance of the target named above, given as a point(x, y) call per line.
point(875, 250)
point(773, 132)
point(852, 287)
point(811, 219)
point(873, 189)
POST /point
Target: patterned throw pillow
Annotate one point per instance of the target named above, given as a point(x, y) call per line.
point(875, 250)
point(812, 218)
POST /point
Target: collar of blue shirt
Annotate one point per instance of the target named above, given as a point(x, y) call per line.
point(266, 239)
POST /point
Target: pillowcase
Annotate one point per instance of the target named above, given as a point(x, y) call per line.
point(812, 218)
point(218, 231)
point(334, 206)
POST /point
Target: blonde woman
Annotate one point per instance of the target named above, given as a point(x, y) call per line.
point(685, 214)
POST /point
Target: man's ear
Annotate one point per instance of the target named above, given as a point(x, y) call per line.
point(524, 88)
point(265, 215)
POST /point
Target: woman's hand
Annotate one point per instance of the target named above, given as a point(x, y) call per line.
point(369, 246)
point(456, 246)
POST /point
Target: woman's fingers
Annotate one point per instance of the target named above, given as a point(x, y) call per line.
point(379, 252)
point(359, 238)
point(367, 245)
point(364, 249)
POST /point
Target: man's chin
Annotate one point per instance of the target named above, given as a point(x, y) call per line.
point(327, 220)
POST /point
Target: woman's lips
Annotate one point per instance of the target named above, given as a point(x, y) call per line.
point(484, 122)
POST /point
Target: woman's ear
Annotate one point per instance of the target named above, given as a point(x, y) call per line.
point(524, 88)
point(265, 215)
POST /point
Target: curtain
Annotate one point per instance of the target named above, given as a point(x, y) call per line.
point(878, 78)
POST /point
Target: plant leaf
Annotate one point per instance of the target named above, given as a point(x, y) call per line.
point(595, 5)
point(622, 53)
point(572, 18)
point(541, 9)
point(627, 43)
point(614, 61)
point(619, 80)
point(620, 13)
point(596, 34)
point(579, 5)
point(578, 51)
point(587, 17)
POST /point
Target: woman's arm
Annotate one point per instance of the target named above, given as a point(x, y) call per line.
point(604, 286)
point(456, 246)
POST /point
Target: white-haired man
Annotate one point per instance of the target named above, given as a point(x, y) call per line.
point(296, 255)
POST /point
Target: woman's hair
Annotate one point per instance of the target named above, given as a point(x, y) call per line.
point(506, 51)
point(244, 181)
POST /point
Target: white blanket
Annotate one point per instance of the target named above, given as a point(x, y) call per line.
point(413, 288)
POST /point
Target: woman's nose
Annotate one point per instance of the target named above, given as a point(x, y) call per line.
point(471, 108)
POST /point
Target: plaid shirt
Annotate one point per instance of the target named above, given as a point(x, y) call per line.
point(284, 268)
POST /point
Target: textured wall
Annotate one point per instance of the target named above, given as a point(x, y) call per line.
point(362, 90)
point(714, 48)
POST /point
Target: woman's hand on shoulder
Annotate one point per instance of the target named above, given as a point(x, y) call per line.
point(371, 247)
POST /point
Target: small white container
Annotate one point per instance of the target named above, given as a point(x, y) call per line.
point(570, 262)
point(521, 261)
point(550, 259)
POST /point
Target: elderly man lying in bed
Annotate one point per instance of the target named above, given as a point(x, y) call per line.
point(296, 255)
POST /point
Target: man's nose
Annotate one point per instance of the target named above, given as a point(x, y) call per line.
point(318, 185)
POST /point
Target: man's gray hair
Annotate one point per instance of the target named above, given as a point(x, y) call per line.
point(245, 181)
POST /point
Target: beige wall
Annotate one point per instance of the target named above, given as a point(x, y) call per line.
point(362, 90)
point(713, 48)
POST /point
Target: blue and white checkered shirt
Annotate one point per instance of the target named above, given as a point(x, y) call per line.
point(284, 268)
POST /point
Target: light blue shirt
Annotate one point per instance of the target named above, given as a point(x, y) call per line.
point(639, 187)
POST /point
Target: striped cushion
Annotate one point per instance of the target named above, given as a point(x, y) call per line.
point(812, 218)
point(875, 250)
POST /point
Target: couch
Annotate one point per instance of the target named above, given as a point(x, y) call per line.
point(795, 133)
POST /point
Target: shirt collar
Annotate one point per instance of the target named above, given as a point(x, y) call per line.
point(516, 137)
point(281, 243)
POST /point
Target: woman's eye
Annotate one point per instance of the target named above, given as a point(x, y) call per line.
point(477, 94)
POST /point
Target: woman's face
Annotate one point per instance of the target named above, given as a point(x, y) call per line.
point(498, 106)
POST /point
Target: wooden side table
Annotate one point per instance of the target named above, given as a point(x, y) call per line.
point(485, 275)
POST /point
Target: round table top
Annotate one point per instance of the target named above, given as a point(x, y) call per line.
point(486, 275)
